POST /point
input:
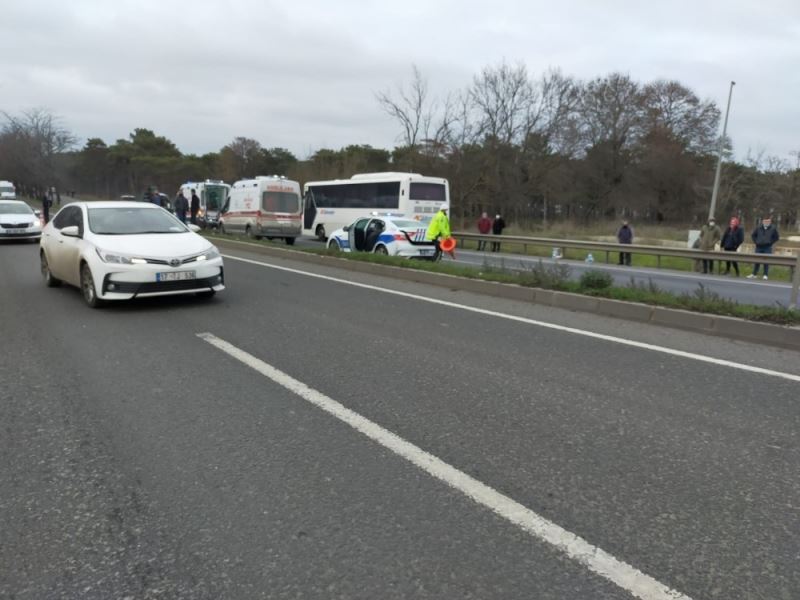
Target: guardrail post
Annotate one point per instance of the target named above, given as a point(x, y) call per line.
point(795, 282)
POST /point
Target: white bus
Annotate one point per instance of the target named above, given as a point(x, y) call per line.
point(213, 194)
point(7, 191)
point(330, 205)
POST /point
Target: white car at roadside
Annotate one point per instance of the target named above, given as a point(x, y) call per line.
point(18, 221)
point(125, 250)
point(384, 234)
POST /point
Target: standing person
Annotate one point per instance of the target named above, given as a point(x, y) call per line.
point(46, 208)
point(709, 236)
point(731, 240)
point(497, 229)
point(764, 237)
point(484, 227)
point(58, 197)
point(181, 206)
point(439, 228)
point(625, 236)
point(195, 208)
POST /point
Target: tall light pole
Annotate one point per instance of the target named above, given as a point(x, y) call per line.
point(719, 155)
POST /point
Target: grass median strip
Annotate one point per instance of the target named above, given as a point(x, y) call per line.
point(557, 277)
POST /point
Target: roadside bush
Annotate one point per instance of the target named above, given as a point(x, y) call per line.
point(596, 280)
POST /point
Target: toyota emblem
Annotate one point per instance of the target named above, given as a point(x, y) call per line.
point(174, 262)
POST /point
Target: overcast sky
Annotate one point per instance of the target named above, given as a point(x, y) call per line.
point(303, 74)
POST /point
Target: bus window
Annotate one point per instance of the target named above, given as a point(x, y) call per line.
point(427, 191)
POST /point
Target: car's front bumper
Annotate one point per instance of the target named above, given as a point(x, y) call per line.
point(21, 235)
point(124, 282)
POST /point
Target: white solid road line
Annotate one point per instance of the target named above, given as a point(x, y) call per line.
point(583, 332)
point(576, 548)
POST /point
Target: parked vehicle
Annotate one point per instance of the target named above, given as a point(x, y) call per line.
point(384, 234)
point(267, 207)
point(330, 205)
point(18, 221)
point(213, 193)
point(122, 250)
point(7, 191)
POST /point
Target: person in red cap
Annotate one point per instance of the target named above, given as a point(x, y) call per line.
point(731, 240)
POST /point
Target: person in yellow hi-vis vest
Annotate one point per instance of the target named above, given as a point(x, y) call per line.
point(439, 229)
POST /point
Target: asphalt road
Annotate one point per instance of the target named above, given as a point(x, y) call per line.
point(741, 289)
point(139, 461)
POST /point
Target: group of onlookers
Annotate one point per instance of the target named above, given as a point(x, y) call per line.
point(487, 225)
point(764, 237)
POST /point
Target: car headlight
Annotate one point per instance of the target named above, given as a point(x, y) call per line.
point(210, 255)
point(119, 259)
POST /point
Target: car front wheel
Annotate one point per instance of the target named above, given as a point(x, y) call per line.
point(49, 280)
point(88, 288)
point(333, 245)
point(381, 250)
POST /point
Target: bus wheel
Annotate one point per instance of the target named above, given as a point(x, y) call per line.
point(249, 233)
point(381, 250)
point(290, 241)
point(320, 232)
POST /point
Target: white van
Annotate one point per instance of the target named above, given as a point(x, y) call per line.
point(7, 191)
point(267, 207)
point(213, 194)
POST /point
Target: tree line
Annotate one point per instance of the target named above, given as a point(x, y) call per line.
point(534, 148)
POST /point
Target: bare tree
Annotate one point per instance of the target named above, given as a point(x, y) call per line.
point(671, 106)
point(411, 108)
point(29, 145)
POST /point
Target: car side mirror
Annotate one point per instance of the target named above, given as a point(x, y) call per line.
point(193, 227)
point(71, 231)
point(347, 227)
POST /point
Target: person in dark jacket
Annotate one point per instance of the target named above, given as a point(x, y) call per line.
point(195, 207)
point(764, 237)
point(181, 206)
point(46, 202)
point(497, 229)
point(731, 240)
point(625, 236)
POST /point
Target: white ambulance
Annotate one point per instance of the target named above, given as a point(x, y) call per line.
point(7, 191)
point(213, 194)
point(267, 207)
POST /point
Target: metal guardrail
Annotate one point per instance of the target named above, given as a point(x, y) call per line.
point(792, 262)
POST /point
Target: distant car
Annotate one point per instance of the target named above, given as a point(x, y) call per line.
point(122, 250)
point(18, 221)
point(384, 234)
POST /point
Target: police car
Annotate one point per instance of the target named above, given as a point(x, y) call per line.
point(394, 235)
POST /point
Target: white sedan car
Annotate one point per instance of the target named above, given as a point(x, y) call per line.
point(18, 221)
point(124, 250)
point(396, 236)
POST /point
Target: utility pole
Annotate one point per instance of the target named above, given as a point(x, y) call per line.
point(719, 155)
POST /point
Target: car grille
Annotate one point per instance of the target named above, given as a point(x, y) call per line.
point(15, 225)
point(150, 287)
point(181, 261)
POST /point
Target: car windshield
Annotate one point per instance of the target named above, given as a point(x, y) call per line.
point(9, 208)
point(133, 221)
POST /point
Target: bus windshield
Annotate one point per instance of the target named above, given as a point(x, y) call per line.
point(280, 202)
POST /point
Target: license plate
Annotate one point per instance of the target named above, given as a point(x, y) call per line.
point(16, 230)
point(175, 276)
point(426, 252)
